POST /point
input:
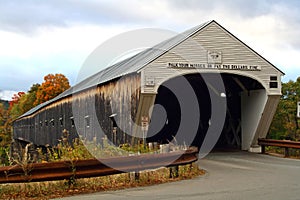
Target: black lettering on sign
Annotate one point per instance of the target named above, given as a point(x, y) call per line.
point(226, 66)
point(214, 66)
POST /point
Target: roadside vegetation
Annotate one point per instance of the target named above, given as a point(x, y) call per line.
point(78, 151)
point(55, 189)
point(279, 151)
point(286, 124)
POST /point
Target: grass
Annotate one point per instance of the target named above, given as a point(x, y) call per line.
point(56, 189)
point(293, 153)
point(81, 149)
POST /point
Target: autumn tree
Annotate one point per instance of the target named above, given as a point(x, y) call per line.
point(5, 126)
point(14, 105)
point(285, 124)
point(21, 102)
point(7, 115)
point(27, 101)
point(15, 99)
point(52, 86)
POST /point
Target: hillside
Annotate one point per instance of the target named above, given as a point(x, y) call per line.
point(5, 103)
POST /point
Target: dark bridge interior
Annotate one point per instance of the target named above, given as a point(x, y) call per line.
point(231, 133)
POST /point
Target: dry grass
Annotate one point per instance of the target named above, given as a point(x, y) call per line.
point(80, 150)
point(55, 189)
point(278, 151)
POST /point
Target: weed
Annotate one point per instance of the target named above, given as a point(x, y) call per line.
point(81, 149)
point(55, 189)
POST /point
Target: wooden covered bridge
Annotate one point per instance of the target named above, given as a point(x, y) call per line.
point(201, 85)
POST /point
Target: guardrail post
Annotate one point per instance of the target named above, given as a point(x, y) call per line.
point(136, 176)
point(263, 149)
point(286, 152)
point(174, 172)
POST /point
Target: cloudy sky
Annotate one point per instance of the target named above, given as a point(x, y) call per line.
point(42, 37)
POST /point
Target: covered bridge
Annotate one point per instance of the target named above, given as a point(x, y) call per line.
point(203, 87)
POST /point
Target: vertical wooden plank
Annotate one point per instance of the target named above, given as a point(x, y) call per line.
point(114, 96)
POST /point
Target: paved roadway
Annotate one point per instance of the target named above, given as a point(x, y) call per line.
point(232, 176)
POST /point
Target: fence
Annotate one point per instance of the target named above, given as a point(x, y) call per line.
point(286, 144)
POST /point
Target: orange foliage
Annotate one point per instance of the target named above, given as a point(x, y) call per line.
point(52, 86)
point(15, 99)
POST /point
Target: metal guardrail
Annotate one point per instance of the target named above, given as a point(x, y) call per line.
point(286, 144)
point(93, 167)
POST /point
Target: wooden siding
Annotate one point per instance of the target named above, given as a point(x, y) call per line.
point(89, 110)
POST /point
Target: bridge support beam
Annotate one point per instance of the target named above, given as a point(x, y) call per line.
point(253, 103)
point(144, 109)
point(258, 110)
point(266, 118)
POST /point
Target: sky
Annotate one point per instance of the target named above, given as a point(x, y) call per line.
point(42, 37)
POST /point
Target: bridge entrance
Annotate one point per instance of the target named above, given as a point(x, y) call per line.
point(237, 89)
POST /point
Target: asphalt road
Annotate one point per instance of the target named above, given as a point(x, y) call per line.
point(232, 176)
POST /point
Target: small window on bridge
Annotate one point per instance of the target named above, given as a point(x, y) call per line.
point(273, 78)
point(273, 84)
point(52, 122)
point(61, 121)
point(87, 121)
point(46, 122)
point(72, 121)
point(41, 123)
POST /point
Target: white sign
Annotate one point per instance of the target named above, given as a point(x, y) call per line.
point(145, 119)
point(150, 81)
point(214, 57)
point(215, 66)
point(145, 123)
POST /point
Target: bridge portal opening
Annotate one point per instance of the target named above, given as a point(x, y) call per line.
point(238, 93)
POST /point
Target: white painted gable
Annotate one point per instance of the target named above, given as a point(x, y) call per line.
point(210, 49)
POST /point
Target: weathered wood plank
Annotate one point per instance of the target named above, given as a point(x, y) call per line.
point(75, 114)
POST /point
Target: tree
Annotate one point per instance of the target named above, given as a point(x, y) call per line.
point(15, 99)
point(285, 124)
point(27, 101)
point(5, 103)
point(5, 126)
point(52, 86)
point(21, 102)
point(14, 105)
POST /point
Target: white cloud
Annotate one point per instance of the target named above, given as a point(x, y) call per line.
point(35, 43)
point(54, 41)
point(51, 50)
point(6, 94)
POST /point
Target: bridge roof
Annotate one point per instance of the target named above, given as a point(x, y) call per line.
point(129, 66)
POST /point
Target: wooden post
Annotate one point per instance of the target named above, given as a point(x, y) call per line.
point(286, 152)
point(174, 172)
point(263, 149)
point(115, 135)
point(136, 176)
